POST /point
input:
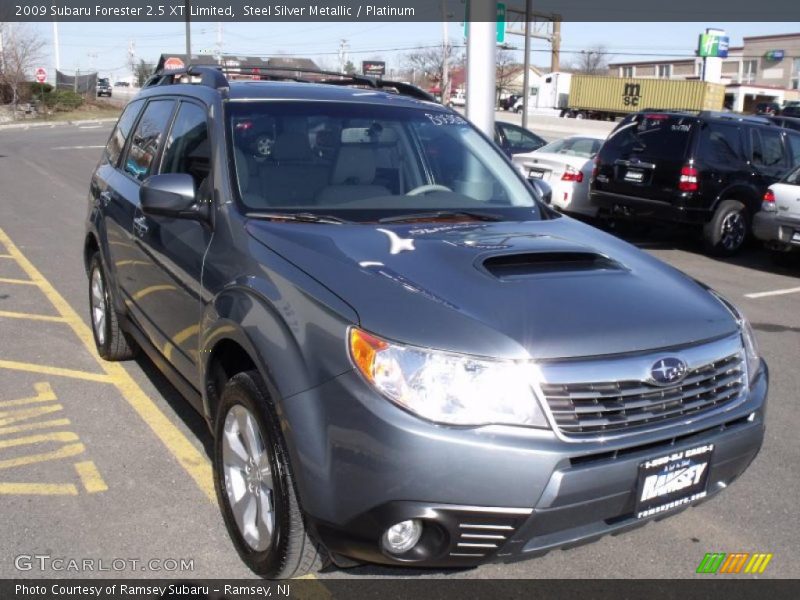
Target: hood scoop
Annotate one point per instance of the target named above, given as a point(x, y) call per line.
point(552, 262)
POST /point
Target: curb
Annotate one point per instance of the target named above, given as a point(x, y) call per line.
point(40, 124)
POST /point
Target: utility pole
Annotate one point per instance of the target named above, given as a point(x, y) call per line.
point(342, 55)
point(482, 64)
point(445, 83)
point(555, 56)
point(526, 76)
point(56, 52)
point(188, 10)
point(218, 50)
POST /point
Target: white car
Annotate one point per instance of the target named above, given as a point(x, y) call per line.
point(778, 222)
point(458, 99)
point(566, 165)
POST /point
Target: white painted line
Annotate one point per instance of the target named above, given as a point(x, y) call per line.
point(89, 126)
point(774, 293)
point(77, 147)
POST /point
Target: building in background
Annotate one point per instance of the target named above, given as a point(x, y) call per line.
point(765, 68)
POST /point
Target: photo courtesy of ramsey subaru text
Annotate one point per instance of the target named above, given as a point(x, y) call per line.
point(405, 356)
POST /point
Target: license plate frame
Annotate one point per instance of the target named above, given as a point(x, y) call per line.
point(673, 480)
point(634, 176)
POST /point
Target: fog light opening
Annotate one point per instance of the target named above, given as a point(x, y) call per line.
point(402, 537)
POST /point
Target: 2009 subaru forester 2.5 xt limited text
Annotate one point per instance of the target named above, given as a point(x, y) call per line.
point(405, 357)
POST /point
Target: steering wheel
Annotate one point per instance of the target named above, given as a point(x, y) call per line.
point(427, 188)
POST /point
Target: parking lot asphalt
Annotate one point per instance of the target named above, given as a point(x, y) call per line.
point(102, 461)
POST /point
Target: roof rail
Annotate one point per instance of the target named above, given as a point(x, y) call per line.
point(215, 77)
point(209, 76)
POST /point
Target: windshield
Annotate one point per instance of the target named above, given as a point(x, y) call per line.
point(362, 162)
point(584, 147)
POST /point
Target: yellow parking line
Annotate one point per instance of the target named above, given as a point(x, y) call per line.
point(12, 416)
point(17, 281)
point(30, 459)
point(30, 316)
point(90, 477)
point(6, 256)
point(44, 393)
point(41, 438)
point(58, 371)
point(151, 290)
point(39, 489)
point(35, 426)
point(193, 461)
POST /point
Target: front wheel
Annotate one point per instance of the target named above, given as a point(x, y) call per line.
point(726, 233)
point(255, 487)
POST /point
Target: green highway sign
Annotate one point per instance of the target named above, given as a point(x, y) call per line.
point(501, 22)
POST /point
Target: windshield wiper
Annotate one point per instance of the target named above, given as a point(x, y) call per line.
point(440, 214)
point(298, 217)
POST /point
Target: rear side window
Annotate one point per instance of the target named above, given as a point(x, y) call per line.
point(187, 149)
point(116, 143)
point(147, 138)
point(655, 136)
point(720, 144)
point(767, 147)
point(794, 148)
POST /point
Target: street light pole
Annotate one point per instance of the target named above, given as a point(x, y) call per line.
point(482, 64)
point(188, 9)
point(526, 76)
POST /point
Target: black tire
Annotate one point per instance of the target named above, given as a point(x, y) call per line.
point(291, 551)
point(111, 341)
point(726, 233)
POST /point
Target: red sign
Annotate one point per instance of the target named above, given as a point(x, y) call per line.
point(173, 64)
point(41, 75)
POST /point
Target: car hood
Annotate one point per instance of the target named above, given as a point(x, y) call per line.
point(544, 289)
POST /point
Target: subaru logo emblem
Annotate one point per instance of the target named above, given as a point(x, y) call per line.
point(668, 371)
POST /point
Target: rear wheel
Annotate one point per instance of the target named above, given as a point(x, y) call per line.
point(726, 233)
point(255, 487)
point(112, 343)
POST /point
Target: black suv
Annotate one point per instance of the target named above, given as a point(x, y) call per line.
point(706, 169)
point(404, 356)
point(104, 87)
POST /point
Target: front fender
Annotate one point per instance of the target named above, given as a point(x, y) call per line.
point(296, 340)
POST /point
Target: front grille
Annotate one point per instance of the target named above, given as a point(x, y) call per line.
point(583, 409)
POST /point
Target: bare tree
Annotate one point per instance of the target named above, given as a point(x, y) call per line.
point(428, 63)
point(507, 70)
point(593, 61)
point(22, 49)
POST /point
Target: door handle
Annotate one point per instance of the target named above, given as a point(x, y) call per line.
point(105, 198)
point(140, 226)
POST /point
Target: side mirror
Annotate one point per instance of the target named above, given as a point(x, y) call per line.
point(543, 189)
point(170, 195)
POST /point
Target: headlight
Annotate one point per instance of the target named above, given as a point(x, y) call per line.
point(748, 337)
point(448, 388)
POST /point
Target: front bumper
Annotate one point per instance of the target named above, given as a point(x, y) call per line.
point(775, 229)
point(485, 494)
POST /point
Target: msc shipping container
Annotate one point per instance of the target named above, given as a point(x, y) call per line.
point(609, 97)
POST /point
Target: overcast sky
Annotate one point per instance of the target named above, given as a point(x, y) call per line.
point(104, 46)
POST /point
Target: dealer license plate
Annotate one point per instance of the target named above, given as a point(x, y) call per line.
point(536, 174)
point(634, 175)
point(672, 481)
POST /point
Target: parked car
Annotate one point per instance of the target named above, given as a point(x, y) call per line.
point(404, 357)
point(791, 109)
point(566, 165)
point(508, 102)
point(777, 224)
point(768, 108)
point(122, 84)
point(788, 122)
point(514, 139)
point(103, 87)
point(708, 170)
point(457, 99)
